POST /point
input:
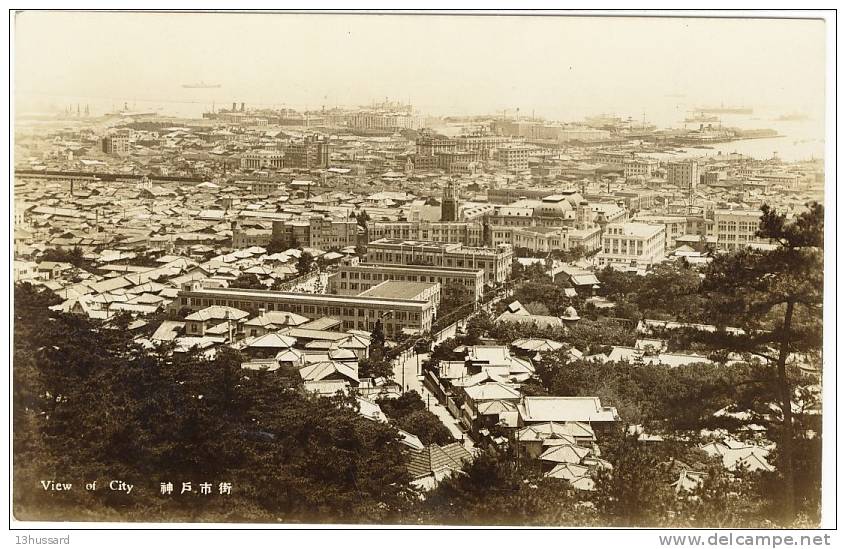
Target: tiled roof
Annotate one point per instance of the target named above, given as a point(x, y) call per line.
point(436, 458)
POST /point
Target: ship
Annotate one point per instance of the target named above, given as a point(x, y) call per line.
point(725, 110)
point(701, 117)
point(201, 84)
point(792, 117)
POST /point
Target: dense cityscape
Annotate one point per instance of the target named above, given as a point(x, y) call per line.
point(374, 314)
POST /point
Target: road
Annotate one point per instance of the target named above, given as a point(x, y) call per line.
point(406, 373)
point(316, 283)
point(406, 370)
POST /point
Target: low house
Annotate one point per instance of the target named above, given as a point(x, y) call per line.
point(736, 454)
point(261, 365)
point(589, 410)
point(578, 476)
point(327, 387)
point(497, 360)
point(292, 358)
point(272, 321)
point(688, 481)
point(532, 440)
point(330, 370)
point(196, 324)
point(168, 330)
point(358, 344)
point(428, 467)
point(644, 354)
point(267, 345)
point(536, 321)
point(487, 404)
point(52, 270)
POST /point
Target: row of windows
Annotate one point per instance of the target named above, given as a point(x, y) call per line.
point(378, 277)
point(304, 309)
point(437, 259)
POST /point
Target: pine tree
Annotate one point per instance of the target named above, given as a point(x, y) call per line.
point(776, 297)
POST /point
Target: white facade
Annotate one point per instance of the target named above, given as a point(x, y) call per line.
point(735, 229)
point(257, 160)
point(632, 244)
point(683, 174)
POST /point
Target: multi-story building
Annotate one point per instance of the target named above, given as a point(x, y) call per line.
point(468, 233)
point(642, 167)
point(583, 134)
point(735, 229)
point(315, 232)
point(398, 315)
point(459, 161)
point(507, 195)
point(483, 143)
point(635, 200)
point(546, 239)
point(530, 129)
point(117, 143)
point(496, 262)
point(326, 233)
point(312, 152)
point(261, 186)
point(353, 278)
point(674, 226)
point(389, 121)
point(424, 162)
point(259, 160)
point(789, 180)
point(450, 203)
point(514, 157)
point(683, 174)
point(430, 145)
point(613, 158)
point(632, 244)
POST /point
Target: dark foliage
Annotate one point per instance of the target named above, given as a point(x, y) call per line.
point(90, 405)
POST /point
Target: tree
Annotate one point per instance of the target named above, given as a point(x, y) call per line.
point(635, 492)
point(248, 281)
point(275, 246)
point(453, 297)
point(668, 291)
point(409, 413)
point(545, 292)
point(372, 367)
point(776, 297)
point(289, 456)
point(537, 308)
point(305, 263)
point(492, 490)
point(58, 255)
point(362, 218)
point(377, 341)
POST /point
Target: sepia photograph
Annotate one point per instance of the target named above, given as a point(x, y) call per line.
point(421, 269)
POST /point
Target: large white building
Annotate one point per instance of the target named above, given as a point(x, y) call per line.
point(496, 262)
point(632, 244)
point(256, 160)
point(514, 157)
point(674, 226)
point(683, 174)
point(735, 229)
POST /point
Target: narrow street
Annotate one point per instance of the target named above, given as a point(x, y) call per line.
point(406, 373)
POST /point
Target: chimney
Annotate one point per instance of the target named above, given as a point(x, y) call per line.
point(233, 106)
point(242, 106)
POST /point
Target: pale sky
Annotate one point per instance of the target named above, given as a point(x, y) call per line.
point(558, 66)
